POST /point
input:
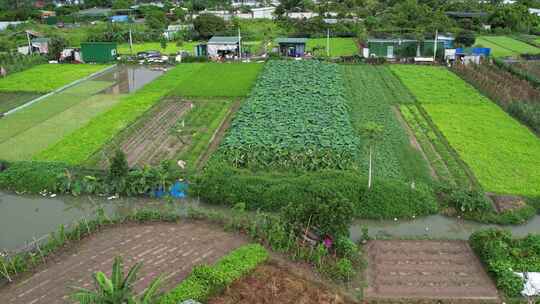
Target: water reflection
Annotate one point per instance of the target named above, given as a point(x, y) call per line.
point(128, 78)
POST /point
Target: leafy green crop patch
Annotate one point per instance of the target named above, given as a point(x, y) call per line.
point(502, 153)
point(219, 80)
point(47, 77)
point(10, 100)
point(295, 117)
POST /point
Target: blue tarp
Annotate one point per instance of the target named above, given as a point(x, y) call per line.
point(120, 18)
point(178, 190)
point(474, 51)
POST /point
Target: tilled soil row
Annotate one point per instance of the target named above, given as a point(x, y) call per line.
point(431, 270)
point(154, 138)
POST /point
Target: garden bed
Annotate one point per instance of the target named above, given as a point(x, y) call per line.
point(426, 271)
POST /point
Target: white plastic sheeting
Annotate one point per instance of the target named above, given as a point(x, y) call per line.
point(531, 287)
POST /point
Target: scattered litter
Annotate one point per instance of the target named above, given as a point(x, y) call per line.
point(53, 195)
point(395, 219)
point(112, 197)
point(531, 287)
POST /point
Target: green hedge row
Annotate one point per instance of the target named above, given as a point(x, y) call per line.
point(503, 255)
point(31, 176)
point(271, 191)
point(206, 281)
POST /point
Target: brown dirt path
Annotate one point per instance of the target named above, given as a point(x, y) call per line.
point(165, 248)
point(426, 270)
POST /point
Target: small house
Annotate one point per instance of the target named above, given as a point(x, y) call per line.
point(40, 45)
point(223, 46)
point(403, 48)
point(292, 47)
point(263, 12)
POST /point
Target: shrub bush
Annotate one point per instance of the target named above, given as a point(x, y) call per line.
point(207, 280)
point(503, 256)
point(222, 184)
point(330, 214)
point(30, 176)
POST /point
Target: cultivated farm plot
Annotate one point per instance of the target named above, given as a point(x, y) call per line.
point(174, 129)
point(10, 101)
point(338, 46)
point(373, 93)
point(502, 153)
point(296, 116)
point(47, 77)
point(503, 46)
point(426, 270)
point(220, 80)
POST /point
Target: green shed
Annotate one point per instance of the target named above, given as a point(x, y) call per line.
point(99, 52)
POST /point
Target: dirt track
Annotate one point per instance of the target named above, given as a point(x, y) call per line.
point(426, 270)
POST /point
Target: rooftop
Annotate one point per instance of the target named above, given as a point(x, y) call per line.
point(292, 40)
point(224, 40)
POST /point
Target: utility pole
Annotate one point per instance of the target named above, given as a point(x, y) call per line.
point(239, 44)
point(435, 45)
point(328, 43)
point(130, 41)
point(29, 43)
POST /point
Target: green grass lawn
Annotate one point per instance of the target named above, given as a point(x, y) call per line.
point(47, 77)
point(10, 101)
point(502, 153)
point(372, 94)
point(503, 46)
point(40, 136)
point(338, 46)
point(220, 80)
point(156, 46)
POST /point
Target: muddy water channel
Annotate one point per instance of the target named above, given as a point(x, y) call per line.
point(434, 227)
point(25, 217)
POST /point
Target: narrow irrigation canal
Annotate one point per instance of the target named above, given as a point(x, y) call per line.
point(24, 218)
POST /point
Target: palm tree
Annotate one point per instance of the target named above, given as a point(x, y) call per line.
point(117, 289)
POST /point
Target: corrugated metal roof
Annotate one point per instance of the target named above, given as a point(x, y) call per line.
point(223, 40)
point(292, 40)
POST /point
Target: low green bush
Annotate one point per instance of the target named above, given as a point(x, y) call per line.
point(35, 177)
point(205, 280)
point(502, 255)
point(30, 176)
point(271, 191)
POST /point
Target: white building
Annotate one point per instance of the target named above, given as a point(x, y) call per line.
point(263, 12)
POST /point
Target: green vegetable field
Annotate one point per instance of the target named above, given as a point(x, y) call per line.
point(373, 95)
point(47, 77)
point(502, 153)
point(81, 144)
point(219, 80)
point(338, 46)
point(295, 117)
point(502, 46)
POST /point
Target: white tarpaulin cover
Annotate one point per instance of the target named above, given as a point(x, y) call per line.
point(532, 283)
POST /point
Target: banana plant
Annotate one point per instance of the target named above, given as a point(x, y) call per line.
point(117, 289)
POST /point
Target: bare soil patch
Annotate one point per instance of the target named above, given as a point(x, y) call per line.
point(272, 283)
point(408, 271)
point(170, 249)
point(507, 202)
